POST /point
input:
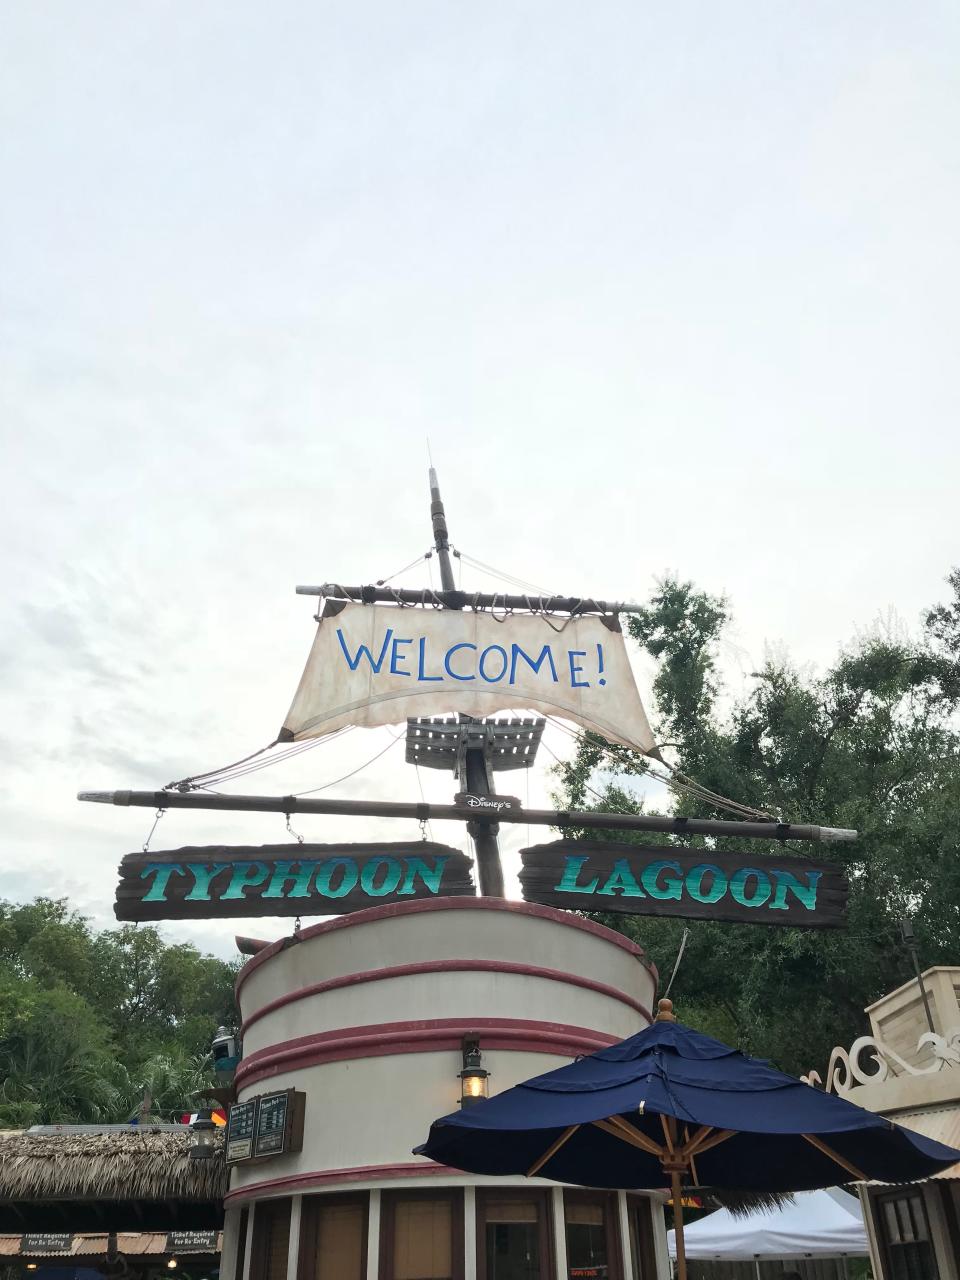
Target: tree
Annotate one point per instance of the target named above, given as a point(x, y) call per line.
point(90, 1021)
point(871, 744)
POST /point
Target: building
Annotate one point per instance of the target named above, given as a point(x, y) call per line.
point(380, 1020)
point(116, 1200)
point(910, 1074)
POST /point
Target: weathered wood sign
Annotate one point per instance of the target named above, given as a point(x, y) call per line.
point(285, 879)
point(698, 884)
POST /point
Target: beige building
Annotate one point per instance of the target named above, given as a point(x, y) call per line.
point(368, 1016)
point(910, 1074)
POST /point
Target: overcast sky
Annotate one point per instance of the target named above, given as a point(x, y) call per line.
point(668, 287)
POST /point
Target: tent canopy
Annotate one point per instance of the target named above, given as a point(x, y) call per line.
point(817, 1224)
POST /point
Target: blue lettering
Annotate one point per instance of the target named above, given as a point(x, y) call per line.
point(575, 667)
point(450, 652)
point(571, 869)
point(364, 652)
point(348, 880)
point(761, 889)
point(420, 671)
point(283, 873)
point(804, 893)
point(695, 879)
point(396, 656)
point(392, 873)
point(202, 874)
point(162, 871)
point(546, 655)
point(622, 880)
point(671, 887)
point(244, 873)
point(493, 648)
point(431, 876)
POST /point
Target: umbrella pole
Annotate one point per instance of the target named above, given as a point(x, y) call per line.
point(677, 1192)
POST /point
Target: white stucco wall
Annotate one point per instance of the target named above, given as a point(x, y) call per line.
point(377, 1052)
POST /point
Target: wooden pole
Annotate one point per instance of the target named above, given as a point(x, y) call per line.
point(563, 818)
point(677, 1193)
point(467, 599)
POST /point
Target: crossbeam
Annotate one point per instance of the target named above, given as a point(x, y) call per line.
point(467, 599)
point(562, 818)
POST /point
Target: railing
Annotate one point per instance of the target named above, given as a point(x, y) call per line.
point(869, 1061)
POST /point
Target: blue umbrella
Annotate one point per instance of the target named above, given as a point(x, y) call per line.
point(670, 1102)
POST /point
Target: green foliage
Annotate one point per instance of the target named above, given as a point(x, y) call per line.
point(872, 743)
point(94, 1027)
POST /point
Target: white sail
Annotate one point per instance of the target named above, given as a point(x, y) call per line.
point(375, 665)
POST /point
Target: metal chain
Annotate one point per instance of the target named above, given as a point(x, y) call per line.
point(159, 814)
point(296, 834)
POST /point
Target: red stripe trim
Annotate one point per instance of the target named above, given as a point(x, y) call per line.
point(371, 914)
point(360, 1173)
point(446, 966)
point(388, 1038)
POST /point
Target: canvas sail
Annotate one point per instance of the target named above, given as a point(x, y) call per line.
point(375, 665)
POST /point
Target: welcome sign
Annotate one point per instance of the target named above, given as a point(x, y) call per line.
point(374, 665)
point(698, 884)
point(285, 880)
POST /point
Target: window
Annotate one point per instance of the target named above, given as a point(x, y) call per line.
point(333, 1238)
point(639, 1216)
point(421, 1236)
point(271, 1240)
point(513, 1237)
point(905, 1233)
point(593, 1248)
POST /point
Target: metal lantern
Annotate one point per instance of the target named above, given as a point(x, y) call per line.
point(473, 1077)
point(204, 1134)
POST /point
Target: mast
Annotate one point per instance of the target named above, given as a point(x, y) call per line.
point(441, 539)
point(475, 775)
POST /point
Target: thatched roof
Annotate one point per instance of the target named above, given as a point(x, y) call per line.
point(128, 1164)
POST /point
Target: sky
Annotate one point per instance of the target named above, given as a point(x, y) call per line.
point(667, 289)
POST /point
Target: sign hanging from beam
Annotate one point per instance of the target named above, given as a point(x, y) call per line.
point(695, 884)
point(286, 879)
point(372, 665)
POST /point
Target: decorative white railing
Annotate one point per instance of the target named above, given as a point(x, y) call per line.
point(869, 1060)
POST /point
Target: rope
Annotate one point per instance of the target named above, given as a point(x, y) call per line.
point(381, 582)
point(353, 772)
point(677, 782)
point(252, 763)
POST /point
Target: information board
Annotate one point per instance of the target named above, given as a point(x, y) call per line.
point(272, 1124)
point(241, 1124)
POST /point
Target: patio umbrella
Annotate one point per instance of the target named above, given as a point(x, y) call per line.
point(671, 1104)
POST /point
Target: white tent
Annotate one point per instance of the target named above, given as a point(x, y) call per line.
point(818, 1224)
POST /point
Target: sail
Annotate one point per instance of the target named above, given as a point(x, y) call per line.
point(375, 665)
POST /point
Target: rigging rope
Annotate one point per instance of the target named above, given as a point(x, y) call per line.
point(676, 781)
point(353, 772)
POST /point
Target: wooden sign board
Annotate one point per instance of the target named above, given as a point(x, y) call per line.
point(286, 879)
point(696, 884)
point(46, 1242)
